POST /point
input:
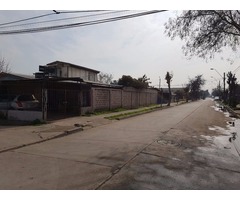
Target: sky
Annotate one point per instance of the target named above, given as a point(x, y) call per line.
point(132, 47)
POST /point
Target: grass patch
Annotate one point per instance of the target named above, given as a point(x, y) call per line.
point(37, 122)
point(101, 112)
point(134, 113)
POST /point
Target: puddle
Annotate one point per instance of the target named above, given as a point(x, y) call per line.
point(226, 141)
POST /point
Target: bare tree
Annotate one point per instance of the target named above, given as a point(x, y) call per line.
point(4, 66)
point(105, 78)
point(206, 32)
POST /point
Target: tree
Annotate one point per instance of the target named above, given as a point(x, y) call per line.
point(205, 31)
point(186, 92)
point(179, 95)
point(217, 91)
point(195, 85)
point(204, 94)
point(232, 85)
point(140, 83)
point(168, 79)
point(4, 66)
point(126, 80)
point(143, 82)
point(105, 78)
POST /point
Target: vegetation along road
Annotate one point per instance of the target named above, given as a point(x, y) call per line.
point(166, 149)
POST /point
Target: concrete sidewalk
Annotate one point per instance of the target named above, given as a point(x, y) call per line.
point(14, 137)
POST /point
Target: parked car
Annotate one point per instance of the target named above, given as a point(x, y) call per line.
point(25, 102)
point(216, 98)
point(5, 101)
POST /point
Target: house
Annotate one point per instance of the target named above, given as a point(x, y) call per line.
point(14, 76)
point(177, 94)
point(67, 70)
point(64, 89)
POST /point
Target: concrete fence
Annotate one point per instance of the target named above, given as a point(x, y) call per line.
point(109, 98)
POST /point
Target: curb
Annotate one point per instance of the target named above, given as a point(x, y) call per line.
point(231, 111)
point(65, 133)
point(141, 113)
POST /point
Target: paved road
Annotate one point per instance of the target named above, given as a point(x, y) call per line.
point(167, 149)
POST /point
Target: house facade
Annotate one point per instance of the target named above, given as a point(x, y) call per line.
point(64, 89)
point(69, 70)
point(176, 94)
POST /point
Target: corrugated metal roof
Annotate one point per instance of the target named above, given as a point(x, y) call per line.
point(15, 76)
point(73, 65)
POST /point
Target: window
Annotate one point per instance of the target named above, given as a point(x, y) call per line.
point(89, 76)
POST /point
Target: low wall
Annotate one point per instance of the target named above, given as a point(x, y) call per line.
point(23, 115)
point(109, 98)
point(3, 114)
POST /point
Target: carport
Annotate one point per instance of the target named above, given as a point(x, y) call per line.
point(58, 97)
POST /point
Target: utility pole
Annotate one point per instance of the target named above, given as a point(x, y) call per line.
point(161, 95)
point(224, 92)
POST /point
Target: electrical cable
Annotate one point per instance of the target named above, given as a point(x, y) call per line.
point(57, 27)
point(54, 13)
point(62, 19)
point(21, 20)
point(81, 11)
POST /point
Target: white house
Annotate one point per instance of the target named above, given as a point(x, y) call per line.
point(68, 70)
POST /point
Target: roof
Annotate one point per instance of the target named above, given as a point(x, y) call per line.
point(15, 76)
point(173, 90)
point(98, 84)
point(73, 65)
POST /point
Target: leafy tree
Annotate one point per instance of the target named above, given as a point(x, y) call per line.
point(205, 31)
point(168, 78)
point(126, 81)
point(4, 66)
point(143, 82)
point(105, 78)
point(179, 94)
point(186, 92)
point(195, 85)
point(232, 85)
point(204, 94)
point(140, 83)
point(217, 91)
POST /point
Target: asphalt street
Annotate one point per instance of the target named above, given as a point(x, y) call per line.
point(165, 149)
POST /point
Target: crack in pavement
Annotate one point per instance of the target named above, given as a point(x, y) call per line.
point(119, 168)
point(79, 161)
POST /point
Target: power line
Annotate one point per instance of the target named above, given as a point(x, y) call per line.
point(22, 20)
point(81, 11)
point(63, 19)
point(54, 13)
point(57, 27)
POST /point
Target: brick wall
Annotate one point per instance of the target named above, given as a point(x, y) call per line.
point(109, 98)
point(116, 98)
point(101, 97)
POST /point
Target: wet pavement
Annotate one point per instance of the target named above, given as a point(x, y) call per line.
point(183, 147)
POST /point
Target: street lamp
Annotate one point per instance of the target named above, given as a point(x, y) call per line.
point(216, 71)
point(223, 77)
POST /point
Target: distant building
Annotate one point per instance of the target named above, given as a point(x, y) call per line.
point(68, 70)
point(177, 94)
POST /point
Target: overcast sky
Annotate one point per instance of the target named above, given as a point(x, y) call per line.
point(132, 47)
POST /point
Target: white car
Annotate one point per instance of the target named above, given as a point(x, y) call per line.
point(25, 102)
point(216, 98)
point(5, 101)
